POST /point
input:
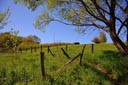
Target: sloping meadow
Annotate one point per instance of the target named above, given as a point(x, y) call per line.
point(105, 66)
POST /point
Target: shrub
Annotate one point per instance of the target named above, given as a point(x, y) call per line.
point(102, 37)
point(96, 40)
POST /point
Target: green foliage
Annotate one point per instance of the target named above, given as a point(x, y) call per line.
point(96, 40)
point(4, 18)
point(9, 41)
point(31, 40)
point(1, 17)
point(43, 18)
point(13, 40)
point(51, 4)
point(74, 12)
point(3, 39)
point(102, 37)
point(31, 4)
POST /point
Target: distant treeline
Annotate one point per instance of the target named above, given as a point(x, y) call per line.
point(8, 41)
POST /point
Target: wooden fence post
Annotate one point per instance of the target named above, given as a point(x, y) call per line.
point(81, 56)
point(65, 53)
point(51, 52)
point(26, 50)
point(66, 47)
point(35, 49)
point(48, 49)
point(31, 49)
point(41, 48)
point(92, 48)
point(42, 64)
point(73, 59)
point(20, 49)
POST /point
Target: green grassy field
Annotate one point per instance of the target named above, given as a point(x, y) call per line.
point(24, 69)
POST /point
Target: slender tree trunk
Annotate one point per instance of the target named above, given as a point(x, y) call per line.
point(123, 49)
point(127, 33)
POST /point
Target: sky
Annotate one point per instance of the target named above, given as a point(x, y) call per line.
point(22, 19)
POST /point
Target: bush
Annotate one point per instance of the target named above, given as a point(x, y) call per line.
point(101, 39)
point(96, 40)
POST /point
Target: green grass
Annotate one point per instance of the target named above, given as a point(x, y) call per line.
point(24, 69)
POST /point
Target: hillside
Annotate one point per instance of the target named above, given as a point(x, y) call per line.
point(103, 67)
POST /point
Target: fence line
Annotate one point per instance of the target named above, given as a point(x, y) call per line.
point(34, 49)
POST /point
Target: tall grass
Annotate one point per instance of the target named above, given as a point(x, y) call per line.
point(24, 69)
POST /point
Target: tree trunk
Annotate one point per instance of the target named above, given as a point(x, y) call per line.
point(123, 49)
point(127, 33)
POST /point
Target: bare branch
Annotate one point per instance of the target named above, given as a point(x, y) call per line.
point(106, 1)
point(106, 29)
point(93, 15)
point(98, 10)
point(121, 27)
point(120, 21)
point(104, 11)
point(73, 24)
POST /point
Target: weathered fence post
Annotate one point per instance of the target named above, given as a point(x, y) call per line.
point(92, 48)
point(20, 50)
point(73, 59)
point(81, 56)
point(42, 64)
point(31, 49)
point(51, 52)
point(35, 49)
point(65, 53)
point(48, 49)
point(26, 50)
point(41, 48)
point(66, 47)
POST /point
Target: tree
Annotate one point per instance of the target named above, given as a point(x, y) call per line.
point(36, 39)
point(4, 17)
point(33, 38)
point(3, 39)
point(13, 41)
point(96, 40)
point(100, 14)
point(102, 37)
point(9, 40)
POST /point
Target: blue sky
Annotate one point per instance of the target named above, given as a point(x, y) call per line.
point(22, 19)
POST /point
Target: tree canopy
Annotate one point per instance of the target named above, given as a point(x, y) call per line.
point(110, 16)
point(100, 39)
point(4, 18)
point(11, 40)
point(96, 13)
